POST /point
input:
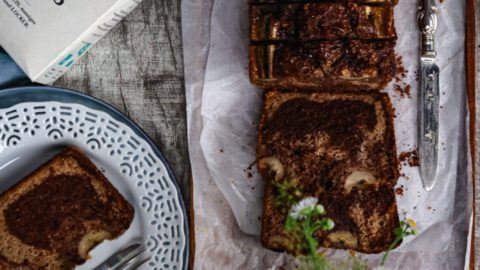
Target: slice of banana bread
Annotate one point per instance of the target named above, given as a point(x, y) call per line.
point(320, 21)
point(56, 215)
point(325, 65)
point(339, 148)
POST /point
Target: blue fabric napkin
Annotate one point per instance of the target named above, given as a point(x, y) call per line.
point(10, 73)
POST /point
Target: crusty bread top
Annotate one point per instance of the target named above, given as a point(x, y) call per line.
point(54, 216)
point(340, 148)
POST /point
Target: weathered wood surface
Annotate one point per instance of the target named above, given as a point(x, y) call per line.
point(476, 242)
point(475, 262)
point(138, 68)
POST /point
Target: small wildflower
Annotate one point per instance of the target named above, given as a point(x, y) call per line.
point(412, 223)
point(306, 205)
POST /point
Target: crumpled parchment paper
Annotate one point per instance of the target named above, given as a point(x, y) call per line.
point(223, 109)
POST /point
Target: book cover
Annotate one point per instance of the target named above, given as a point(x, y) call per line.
point(47, 37)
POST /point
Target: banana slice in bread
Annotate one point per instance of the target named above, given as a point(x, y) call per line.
point(339, 148)
point(56, 215)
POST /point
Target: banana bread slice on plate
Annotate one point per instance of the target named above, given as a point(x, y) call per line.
point(52, 218)
point(339, 148)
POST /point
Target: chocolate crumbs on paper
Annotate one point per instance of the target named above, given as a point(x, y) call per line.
point(409, 158)
point(400, 87)
point(249, 170)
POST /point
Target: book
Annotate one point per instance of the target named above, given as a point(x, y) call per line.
point(45, 38)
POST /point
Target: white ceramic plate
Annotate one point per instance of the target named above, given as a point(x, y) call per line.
point(33, 132)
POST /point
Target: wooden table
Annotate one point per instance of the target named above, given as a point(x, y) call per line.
point(473, 80)
point(138, 68)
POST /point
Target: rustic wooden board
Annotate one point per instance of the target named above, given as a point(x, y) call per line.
point(138, 68)
point(471, 42)
point(472, 71)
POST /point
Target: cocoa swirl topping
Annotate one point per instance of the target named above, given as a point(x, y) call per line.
point(52, 216)
point(372, 199)
point(319, 21)
point(342, 120)
point(373, 59)
point(324, 21)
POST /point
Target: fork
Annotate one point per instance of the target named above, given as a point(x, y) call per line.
point(129, 258)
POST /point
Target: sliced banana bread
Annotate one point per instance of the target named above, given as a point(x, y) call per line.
point(339, 148)
point(324, 65)
point(320, 21)
point(56, 215)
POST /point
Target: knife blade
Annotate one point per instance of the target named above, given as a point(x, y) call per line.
point(429, 95)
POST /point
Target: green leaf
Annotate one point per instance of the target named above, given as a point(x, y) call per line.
point(398, 231)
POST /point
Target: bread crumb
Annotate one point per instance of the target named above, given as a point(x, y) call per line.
point(249, 170)
point(410, 158)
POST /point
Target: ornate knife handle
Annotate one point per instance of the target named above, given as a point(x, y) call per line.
point(427, 23)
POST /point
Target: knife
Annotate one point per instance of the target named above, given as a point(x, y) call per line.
point(428, 102)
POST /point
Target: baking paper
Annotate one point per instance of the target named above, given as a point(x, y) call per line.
point(223, 110)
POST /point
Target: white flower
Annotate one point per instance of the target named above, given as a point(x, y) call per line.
point(307, 203)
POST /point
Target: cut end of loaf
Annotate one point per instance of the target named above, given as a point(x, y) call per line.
point(340, 148)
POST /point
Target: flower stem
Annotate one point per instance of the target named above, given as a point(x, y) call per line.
point(390, 248)
point(308, 233)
